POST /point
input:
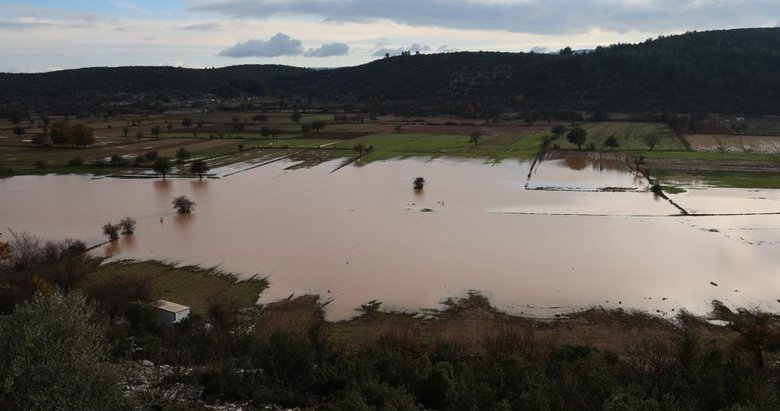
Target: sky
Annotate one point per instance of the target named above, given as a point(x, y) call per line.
point(46, 35)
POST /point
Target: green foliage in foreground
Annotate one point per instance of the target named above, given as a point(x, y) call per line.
point(401, 371)
point(53, 356)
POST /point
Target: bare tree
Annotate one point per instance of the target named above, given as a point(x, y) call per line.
point(651, 140)
point(111, 231)
point(127, 225)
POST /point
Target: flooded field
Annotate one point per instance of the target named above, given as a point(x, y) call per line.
point(362, 233)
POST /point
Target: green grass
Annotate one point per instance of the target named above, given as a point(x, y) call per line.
point(400, 145)
point(708, 155)
point(191, 286)
point(629, 135)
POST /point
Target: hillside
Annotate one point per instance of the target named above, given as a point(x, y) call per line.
point(727, 71)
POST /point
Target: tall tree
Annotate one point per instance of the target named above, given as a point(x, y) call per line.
point(199, 168)
point(162, 165)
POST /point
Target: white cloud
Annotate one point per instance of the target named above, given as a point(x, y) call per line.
point(328, 50)
point(278, 45)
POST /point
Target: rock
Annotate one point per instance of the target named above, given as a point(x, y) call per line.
point(147, 363)
point(713, 283)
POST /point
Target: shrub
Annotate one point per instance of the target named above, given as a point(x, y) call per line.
point(75, 161)
point(127, 225)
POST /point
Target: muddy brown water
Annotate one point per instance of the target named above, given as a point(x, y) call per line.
point(359, 234)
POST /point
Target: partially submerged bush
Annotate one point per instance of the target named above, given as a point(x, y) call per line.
point(127, 225)
point(111, 231)
point(183, 205)
point(419, 183)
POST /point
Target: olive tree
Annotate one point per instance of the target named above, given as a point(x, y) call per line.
point(53, 356)
point(199, 168)
point(611, 142)
point(558, 130)
point(162, 165)
point(183, 205)
point(577, 136)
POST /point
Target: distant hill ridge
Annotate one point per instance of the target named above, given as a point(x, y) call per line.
point(724, 71)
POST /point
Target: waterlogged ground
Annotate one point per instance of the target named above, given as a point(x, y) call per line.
point(362, 233)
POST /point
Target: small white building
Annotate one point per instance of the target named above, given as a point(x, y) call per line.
point(169, 313)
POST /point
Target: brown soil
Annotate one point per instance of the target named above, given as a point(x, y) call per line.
point(467, 129)
point(478, 327)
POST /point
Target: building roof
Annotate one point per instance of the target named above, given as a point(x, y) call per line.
point(170, 306)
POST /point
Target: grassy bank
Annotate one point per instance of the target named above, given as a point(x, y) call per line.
point(188, 285)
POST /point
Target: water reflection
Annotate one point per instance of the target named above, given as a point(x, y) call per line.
point(199, 186)
point(576, 162)
point(164, 188)
point(125, 244)
point(183, 222)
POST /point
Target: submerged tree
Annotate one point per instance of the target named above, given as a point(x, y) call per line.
point(199, 168)
point(183, 205)
point(162, 165)
point(419, 183)
point(127, 225)
point(111, 231)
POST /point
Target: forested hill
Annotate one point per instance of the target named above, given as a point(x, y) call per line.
point(727, 71)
